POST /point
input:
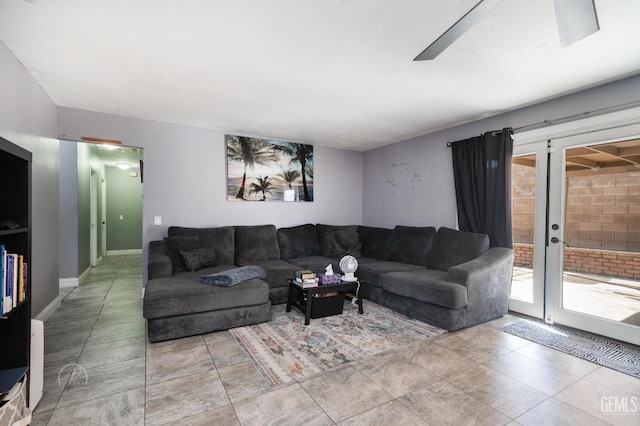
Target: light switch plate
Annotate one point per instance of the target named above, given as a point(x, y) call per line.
point(157, 220)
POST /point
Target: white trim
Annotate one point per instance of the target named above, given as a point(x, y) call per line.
point(123, 252)
point(49, 309)
point(68, 282)
point(578, 127)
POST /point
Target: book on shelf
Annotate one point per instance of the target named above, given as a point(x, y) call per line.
point(2, 278)
point(14, 280)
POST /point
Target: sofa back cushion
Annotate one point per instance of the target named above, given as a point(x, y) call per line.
point(298, 241)
point(326, 236)
point(221, 238)
point(376, 242)
point(258, 242)
point(411, 244)
point(451, 247)
point(175, 246)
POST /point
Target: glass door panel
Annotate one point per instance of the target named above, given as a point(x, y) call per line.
point(594, 235)
point(528, 188)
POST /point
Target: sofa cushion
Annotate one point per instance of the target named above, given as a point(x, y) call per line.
point(184, 294)
point(376, 242)
point(345, 243)
point(258, 242)
point(222, 238)
point(411, 244)
point(325, 236)
point(316, 264)
point(372, 272)
point(451, 247)
point(277, 270)
point(298, 241)
point(199, 258)
point(175, 246)
point(426, 285)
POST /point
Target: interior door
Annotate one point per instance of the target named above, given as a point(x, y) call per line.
point(593, 226)
point(529, 193)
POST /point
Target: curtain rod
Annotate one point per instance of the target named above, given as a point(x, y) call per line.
point(493, 133)
point(551, 122)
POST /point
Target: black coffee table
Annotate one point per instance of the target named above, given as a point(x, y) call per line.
point(303, 298)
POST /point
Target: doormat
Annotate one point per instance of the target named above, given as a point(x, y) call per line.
point(617, 355)
point(285, 350)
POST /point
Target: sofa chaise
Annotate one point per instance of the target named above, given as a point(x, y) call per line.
point(448, 278)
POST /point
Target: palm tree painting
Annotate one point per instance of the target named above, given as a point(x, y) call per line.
point(287, 168)
point(262, 185)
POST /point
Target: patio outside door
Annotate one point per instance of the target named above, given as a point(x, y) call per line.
point(570, 225)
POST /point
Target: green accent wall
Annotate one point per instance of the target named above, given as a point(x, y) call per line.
point(124, 197)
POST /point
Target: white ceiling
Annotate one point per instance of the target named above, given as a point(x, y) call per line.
point(336, 73)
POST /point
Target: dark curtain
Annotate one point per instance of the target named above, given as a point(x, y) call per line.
point(482, 173)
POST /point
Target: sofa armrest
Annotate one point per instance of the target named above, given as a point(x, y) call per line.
point(159, 261)
point(488, 282)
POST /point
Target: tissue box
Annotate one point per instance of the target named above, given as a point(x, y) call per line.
point(330, 279)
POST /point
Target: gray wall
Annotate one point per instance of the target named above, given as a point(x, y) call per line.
point(185, 176)
point(393, 195)
point(28, 119)
point(124, 197)
point(68, 242)
point(84, 172)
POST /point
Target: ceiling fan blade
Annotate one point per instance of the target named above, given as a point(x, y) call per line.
point(576, 20)
point(457, 29)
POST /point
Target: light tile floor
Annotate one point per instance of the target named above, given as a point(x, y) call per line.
point(100, 369)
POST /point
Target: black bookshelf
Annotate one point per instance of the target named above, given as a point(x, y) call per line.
point(15, 235)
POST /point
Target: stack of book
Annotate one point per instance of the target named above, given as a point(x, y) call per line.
point(13, 276)
point(305, 279)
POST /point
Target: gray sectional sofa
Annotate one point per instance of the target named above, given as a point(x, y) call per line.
point(448, 278)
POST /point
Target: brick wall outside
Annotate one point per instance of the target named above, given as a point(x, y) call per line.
point(602, 226)
point(611, 263)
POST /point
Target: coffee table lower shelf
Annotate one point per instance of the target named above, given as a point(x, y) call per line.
point(312, 306)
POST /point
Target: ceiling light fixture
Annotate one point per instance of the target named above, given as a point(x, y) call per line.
point(123, 166)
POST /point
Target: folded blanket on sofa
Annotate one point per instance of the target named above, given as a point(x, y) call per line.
point(234, 276)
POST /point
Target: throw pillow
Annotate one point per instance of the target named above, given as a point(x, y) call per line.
point(175, 245)
point(199, 258)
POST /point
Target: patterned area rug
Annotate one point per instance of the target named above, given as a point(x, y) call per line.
point(285, 350)
point(608, 353)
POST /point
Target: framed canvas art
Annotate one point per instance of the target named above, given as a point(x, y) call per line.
point(268, 170)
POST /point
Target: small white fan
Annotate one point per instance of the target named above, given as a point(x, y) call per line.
point(349, 265)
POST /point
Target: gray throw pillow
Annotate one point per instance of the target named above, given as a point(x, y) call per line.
point(199, 258)
point(175, 245)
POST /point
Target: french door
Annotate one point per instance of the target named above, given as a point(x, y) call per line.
point(576, 213)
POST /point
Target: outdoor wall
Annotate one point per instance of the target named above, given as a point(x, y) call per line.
point(602, 224)
point(603, 211)
point(124, 198)
point(185, 177)
point(28, 119)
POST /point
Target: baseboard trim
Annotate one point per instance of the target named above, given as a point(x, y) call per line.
point(84, 275)
point(68, 282)
point(49, 309)
point(123, 252)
